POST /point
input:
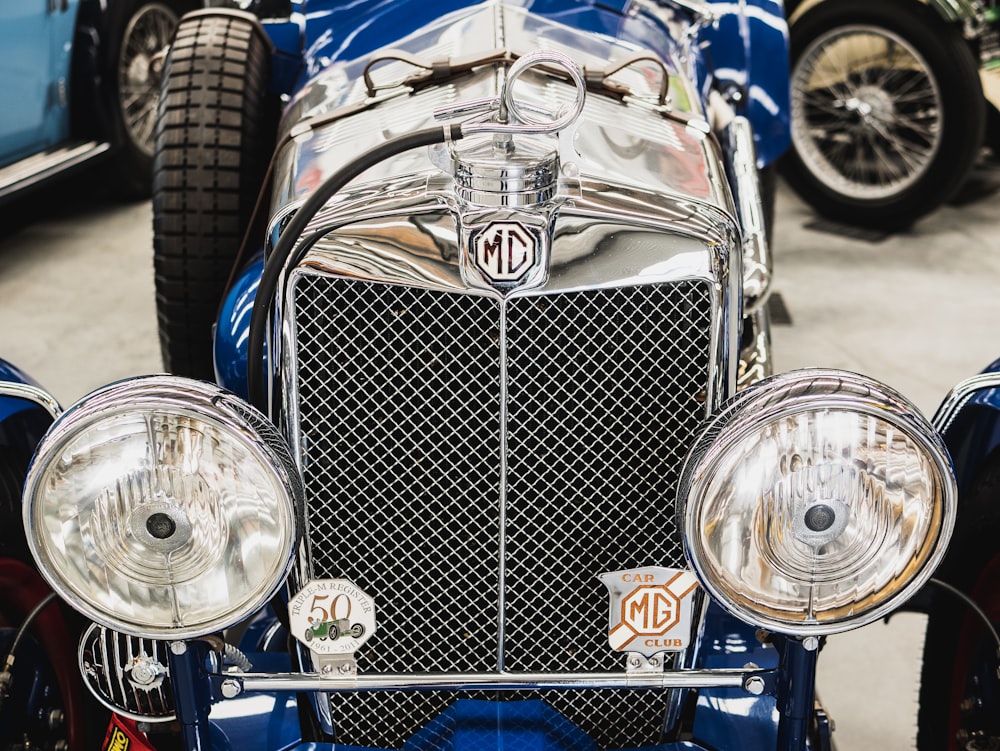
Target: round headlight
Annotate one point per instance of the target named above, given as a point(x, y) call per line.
point(816, 501)
point(163, 507)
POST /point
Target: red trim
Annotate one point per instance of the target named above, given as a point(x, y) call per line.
point(21, 589)
point(986, 594)
point(124, 735)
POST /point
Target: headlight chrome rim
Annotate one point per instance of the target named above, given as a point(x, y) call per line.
point(796, 393)
point(209, 409)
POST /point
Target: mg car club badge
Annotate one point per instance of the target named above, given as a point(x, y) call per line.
point(332, 616)
point(651, 609)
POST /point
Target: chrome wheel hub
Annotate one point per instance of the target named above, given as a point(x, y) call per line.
point(872, 105)
point(866, 112)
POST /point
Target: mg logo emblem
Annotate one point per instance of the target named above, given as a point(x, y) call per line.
point(505, 251)
point(650, 609)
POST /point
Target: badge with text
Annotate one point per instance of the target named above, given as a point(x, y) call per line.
point(332, 616)
point(124, 735)
point(651, 609)
point(505, 253)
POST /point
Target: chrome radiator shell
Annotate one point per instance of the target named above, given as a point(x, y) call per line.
point(474, 459)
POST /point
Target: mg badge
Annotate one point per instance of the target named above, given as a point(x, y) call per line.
point(651, 609)
point(332, 616)
point(505, 251)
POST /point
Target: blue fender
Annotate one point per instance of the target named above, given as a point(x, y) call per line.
point(232, 332)
point(749, 54)
point(972, 433)
point(730, 717)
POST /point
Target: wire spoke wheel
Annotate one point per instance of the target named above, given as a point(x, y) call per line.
point(140, 70)
point(870, 115)
point(887, 112)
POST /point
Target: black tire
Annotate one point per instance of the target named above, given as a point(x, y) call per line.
point(991, 138)
point(959, 685)
point(139, 34)
point(887, 111)
point(215, 132)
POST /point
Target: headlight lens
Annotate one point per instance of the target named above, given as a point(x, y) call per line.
point(162, 507)
point(816, 502)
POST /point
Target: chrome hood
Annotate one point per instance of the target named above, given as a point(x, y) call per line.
point(641, 143)
point(631, 190)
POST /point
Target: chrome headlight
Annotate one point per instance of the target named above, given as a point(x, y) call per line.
point(816, 502)
point(163, 507)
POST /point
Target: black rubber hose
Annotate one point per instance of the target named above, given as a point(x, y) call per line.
point(286, 243)
point(8, 663)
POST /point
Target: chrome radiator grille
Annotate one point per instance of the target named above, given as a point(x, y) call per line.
point(477, 559)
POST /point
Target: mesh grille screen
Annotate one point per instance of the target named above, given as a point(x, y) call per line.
point(605, 388)
point(400, 394)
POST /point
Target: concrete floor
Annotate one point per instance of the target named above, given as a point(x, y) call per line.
point(918, 310)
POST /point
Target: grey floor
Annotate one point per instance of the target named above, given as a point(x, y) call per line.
point(918, 310)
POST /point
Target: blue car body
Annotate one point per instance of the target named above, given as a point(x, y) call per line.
point(748, 52)
point(38, 48)
point(67, 105)
point(747, 46)
point(745, 56)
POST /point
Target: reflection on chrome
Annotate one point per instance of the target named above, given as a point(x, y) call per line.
point(163, 507)
point(817, 501)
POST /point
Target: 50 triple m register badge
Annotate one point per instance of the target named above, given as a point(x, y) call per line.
point(332, 616)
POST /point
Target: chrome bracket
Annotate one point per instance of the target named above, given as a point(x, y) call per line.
point(507, 116)
point(639, 664)
point(335, 666)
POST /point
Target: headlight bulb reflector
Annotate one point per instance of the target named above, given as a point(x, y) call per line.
point(816, 502)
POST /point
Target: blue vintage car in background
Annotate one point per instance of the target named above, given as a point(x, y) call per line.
point(470, 437)
point(80, 80)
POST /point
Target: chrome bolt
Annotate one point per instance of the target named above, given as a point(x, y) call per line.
point(634, 662)
point(178, 647)
point(754, 685)
point(654, 662)
point(969, 704)
point(231, 689)
point(344, 668)
point(56, 718)
point(326, 669)
point(145, 671)
point(810, 644)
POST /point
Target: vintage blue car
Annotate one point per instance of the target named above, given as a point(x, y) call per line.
point(80, 80)
point(470, 438)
